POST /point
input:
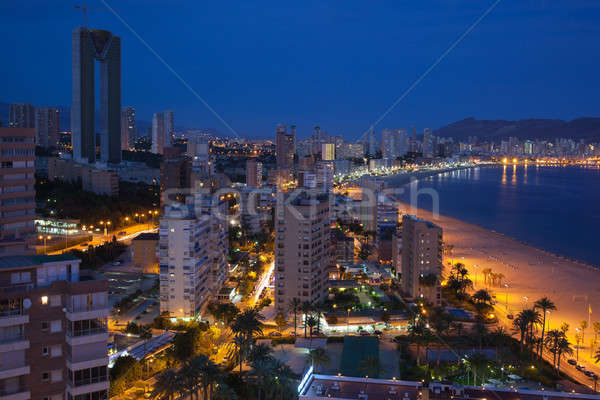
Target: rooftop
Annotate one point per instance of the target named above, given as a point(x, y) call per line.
point(26, 261)
point(147, 236)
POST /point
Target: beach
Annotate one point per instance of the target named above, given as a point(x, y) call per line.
point(529, 272)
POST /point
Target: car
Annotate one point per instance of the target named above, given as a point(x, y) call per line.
point(510, 316)
point(293, 334)
point(377, 332)
point(580, 367)
point(274, 333)
point(116, 263)
point(84, 245)
point(364, 333)
point(572, 361)
point(589, 373)
point(122, 233)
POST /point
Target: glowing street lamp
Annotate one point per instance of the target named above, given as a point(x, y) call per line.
point(44, 237)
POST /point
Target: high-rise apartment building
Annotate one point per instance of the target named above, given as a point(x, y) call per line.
point(128, 131)
point(421, 259)
point(90, 45)
point(47, 126)
point(371, 142)
point(17, 191)
point(427, 143)
point(184, 262)
point(285, 143)
point(253, 173)
point(394, 143)
point(21, 115)
point(53, 323)
point(193, 247)
point(169, 125)
point(328, 151)
point(302, 248)
point(158, 133)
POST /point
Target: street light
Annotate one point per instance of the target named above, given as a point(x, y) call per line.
point(44, 237)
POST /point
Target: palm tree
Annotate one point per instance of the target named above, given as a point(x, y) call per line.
point(417, 333)
point(246, 325)
point(583, 325)
point(371, 366)
point(544, 304)
point(564, 347)
point(190, 378)
point(482, 296)
point(294, 306)
point(530, 318)
point(206, 373)
point(479, 363)
point(479, 330)
point(311, 321)
point(319, 309)
point(552, 342)
point(224, 392)
point(318, 357)
point(166, 385)
point(521, 325)
point(306, 308)
point(260, 352)
point(440, 321)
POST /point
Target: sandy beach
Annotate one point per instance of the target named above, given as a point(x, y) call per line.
point(530, 273)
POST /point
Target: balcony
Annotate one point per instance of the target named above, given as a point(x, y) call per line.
point(10, 317)
point(13, 344)
point(14, 372)
point(93, 387)
point(21, 394)
point(85, 336)
point(87, 312)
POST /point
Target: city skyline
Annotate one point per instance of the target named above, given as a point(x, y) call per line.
point(353, 81)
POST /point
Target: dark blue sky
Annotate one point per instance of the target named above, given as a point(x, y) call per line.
point(338, 64)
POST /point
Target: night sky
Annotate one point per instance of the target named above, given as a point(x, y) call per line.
point(338, 64)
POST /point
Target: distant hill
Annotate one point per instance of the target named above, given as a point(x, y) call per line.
point(580, 128)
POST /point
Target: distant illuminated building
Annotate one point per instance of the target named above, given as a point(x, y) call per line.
point(328, 151)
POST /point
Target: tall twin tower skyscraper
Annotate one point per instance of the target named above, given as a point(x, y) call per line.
point(89, 46)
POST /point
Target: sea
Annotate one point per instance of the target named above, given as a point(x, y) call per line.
point(553, 208)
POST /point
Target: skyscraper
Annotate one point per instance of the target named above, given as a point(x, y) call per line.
point(421, 259)
point(302, 249)
point(285, 143)
point(253, 173)
point(427, 143)
point(169, 125)
point(371, 141)
point(17, 192)
point(158, 133)
point(128, 131)
point(90, 45)
point(21, 115)
point(47, 126)
point(328, 151)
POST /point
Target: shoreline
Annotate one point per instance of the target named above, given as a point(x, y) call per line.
point(428, 174)
point(529, 273)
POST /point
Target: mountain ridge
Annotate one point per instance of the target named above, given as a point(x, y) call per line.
point(586, 128)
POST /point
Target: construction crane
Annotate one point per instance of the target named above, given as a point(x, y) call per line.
point(85, 9)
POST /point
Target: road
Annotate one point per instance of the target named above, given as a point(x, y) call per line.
point(263, 282)
point(565, 367)
point(98, 239)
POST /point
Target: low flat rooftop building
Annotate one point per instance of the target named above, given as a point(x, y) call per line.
point(318, 387)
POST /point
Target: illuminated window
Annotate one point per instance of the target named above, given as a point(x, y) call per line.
point(44, 299)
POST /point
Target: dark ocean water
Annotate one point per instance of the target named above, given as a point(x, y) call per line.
point(556, 209)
